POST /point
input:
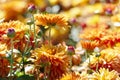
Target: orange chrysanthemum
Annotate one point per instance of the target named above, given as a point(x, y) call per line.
point(109, 58)
point(89, 45)
point(4, 69)
point(51, 19)
point(109, 39)
point(13, 10)
point(56, 57)
point(93, 33)
point(20, 28)
point(20, 31)
point(105, 37)
point(105, 74)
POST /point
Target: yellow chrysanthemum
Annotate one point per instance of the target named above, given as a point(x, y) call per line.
point(56, 56)
point(72, 12)
point(51, 20)
point(3, 48)
point(53, 50)
point(4, 69)
point(75, 76)
point(115, 62)
point(71, 76)
point(105, 74)
point(115, 18)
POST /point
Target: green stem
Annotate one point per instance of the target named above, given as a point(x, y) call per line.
point(50, 36)
point(22, 61)
point(89, 59)
point(86, 55)
point(49, 71)
point(30, 30)
point(97, 65)
point(45, 73)
point(11, 58)
point(26, 47)
point(30, 27)
point(35, 39)
point(24, 53)
point(23, 64)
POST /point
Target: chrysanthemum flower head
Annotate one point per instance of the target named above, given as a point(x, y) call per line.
point(105, 37)
point(20, 30)
point(18, 26)
point(51, 20)
point(93, 33)
point(74, 76)
point(115, 62)
point(13, 9)
point(89, 45)
point(109, 39)
point(105, 74)
point(109, 58)
point(71, 76)
point(56, 56)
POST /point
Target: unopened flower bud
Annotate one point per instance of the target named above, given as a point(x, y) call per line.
point(83, 25)
point(32, 8)
point(108, 11)
point(71, 50)
point(73, 20)
point(76, 59)
point(11, 33)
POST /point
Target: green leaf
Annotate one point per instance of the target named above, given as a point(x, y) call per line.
point(26, 77)
point(40, 33)
point(19, 74)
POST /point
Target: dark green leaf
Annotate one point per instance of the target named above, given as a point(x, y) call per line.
point(26, 77)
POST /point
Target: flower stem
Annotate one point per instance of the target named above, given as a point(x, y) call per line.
point(27, 45)
point(30, 30)
point(97, 65)
point(50, 35)
point(70, 62)
point(35, 39)
point(86, 55)
point(89, 59)
point(45, 73)
point(11, 58)
point(23, 64)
